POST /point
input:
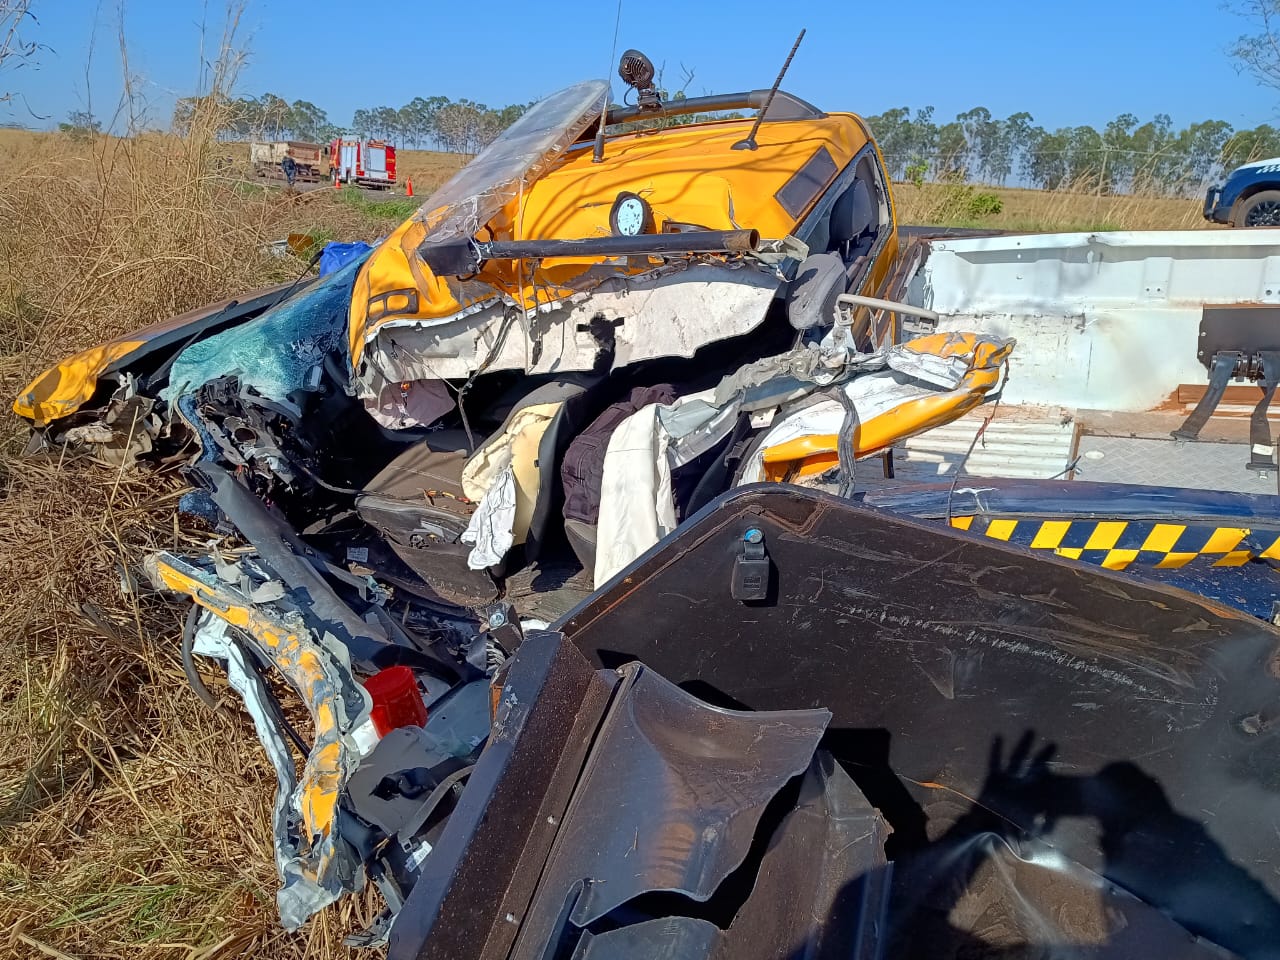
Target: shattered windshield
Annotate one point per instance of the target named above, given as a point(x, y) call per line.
point(472, 196)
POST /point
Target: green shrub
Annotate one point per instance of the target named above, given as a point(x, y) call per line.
point(982, 205)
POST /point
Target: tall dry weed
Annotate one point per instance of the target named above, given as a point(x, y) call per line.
point(133, 821)
point(1077, 206)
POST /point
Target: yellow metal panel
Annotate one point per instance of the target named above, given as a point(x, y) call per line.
point(1119, 559)
point(1050, 534)
point(1272, 552)
point(1001, 529)
point(322, 776)
point(1225, 539)
point(1175, 561)
point(62, 390)
point(1236, 558)
point(1105, 535)
point(816, 453)
point(1164, 537)
point(688, 174)
point(1071, 553)
point(962, 523)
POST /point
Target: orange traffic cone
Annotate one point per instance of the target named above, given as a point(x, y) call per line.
point(337, 181)
point(408, 187)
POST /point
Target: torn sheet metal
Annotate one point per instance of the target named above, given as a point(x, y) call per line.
point(926, 382)
point(690, 832)
point(670, 314)
point(303, 890)
point(821, 889)
point(315, 865)
point(1158, 703)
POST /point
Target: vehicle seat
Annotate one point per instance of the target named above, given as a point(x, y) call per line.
point(853, 220)
point(424, 500)
point(538, 452)
point(417, 503)
point(582, 469)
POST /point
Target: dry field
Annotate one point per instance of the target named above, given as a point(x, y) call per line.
point(1038, 211)
point(134, 821)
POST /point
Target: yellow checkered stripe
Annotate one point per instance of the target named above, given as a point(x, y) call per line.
point(1117, 544)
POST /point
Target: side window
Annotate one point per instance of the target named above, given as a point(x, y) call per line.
point(861, 211)
point(881, 177)
point(853, 214)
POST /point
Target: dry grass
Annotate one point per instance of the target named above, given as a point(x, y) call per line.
point(1069, 210)
point(133, 823)
point(428, 168)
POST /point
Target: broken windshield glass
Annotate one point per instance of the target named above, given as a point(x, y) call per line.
point(472, 196)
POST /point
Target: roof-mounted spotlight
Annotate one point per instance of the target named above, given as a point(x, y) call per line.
point(636, 71)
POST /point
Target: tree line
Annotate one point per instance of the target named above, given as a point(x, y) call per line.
point(1125, 156)
point(457, 126)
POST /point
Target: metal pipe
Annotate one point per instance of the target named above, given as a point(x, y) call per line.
point(658, 244)
point(750, 100)
point(461, 257)
point(747, 100)
point(893, 306)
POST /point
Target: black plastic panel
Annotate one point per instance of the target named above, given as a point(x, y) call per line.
point(933, 649)
point(807, 183)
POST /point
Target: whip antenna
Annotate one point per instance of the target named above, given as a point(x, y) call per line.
point(597, 154)
point(750, 142)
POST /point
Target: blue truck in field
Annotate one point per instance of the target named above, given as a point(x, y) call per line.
point(1249, 197)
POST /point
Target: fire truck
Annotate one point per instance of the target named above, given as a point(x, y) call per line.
point(367, 162)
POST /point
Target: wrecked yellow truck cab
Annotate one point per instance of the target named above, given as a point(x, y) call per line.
point(618, 248)
point(447, 439)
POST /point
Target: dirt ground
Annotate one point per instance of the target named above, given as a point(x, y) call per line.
point(134, 822)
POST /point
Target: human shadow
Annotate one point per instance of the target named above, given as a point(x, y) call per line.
point(990, 887)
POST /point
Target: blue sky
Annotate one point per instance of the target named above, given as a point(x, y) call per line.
point(1065, 62)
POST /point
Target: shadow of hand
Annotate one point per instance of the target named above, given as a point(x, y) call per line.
point(1020, 797)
